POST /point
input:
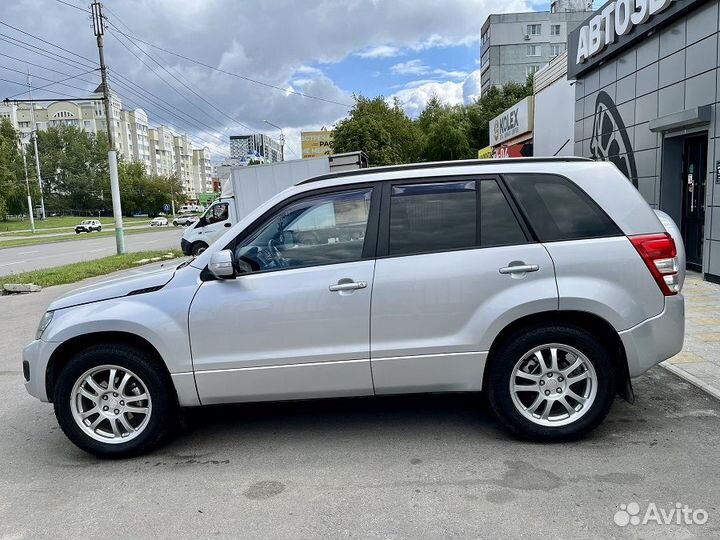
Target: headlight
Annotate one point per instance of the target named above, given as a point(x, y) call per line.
point(44, 323)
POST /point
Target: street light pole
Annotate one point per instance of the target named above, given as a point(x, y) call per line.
point(99, 30)
point(27, 185)
point(282, 139)
point(37, 156)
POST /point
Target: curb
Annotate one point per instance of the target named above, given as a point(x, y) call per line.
point(692, 379)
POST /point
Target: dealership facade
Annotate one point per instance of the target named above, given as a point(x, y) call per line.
point(647, 96)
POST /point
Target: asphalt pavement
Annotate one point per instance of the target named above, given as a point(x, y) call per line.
point(426, 466)
point(34, 257)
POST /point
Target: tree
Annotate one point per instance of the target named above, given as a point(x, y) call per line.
point(446, 132)
point(491, 104)
point(145, 194)
point(74, 167)
point(12, 175)
point(384, 132)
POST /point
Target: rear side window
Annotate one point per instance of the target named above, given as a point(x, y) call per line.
point(433, 217)
point(498, 226)
point(558, 210)
point(443, 216)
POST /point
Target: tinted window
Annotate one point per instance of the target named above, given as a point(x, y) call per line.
point(498, 225)
point(558, 209)
point(433, 217)
point(325, 229)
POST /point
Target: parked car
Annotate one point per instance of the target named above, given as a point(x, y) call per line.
point(184, 221)
point(88, 225)
point(159, 222)
point(548, 284)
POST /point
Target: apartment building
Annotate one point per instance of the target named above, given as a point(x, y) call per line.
point(516, 45)
point(267, 147)
point(202, 170)
point(159, 149)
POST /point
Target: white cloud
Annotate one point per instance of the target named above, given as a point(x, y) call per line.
point(381, 51)
point(411, 67)
point(415, 95)
point(276, 42)
point(418, 67)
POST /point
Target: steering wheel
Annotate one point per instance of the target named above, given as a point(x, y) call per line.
point(277, 257)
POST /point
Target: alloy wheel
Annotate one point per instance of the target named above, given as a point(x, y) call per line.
point(111, 404)
point(553, 385)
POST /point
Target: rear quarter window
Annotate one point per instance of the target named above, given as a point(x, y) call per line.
point(559, 210)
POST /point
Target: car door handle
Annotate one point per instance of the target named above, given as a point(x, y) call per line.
point(519, 269)
point(348, 286)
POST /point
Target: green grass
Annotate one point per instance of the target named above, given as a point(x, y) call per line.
point(60, 222)
point(81, 236)
point(70, 273)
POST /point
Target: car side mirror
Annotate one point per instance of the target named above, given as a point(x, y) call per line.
point(222, 265)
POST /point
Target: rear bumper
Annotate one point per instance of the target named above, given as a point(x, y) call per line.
point(656, 339)
point(185, 246)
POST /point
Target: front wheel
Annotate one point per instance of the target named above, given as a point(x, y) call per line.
point(198, 248)
point(551, 383)
point(113, 401)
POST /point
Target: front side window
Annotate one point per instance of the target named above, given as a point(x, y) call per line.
point(555, 30)
point(533, 29)
point(217, 213)
point(533, 50)
point(319, 230)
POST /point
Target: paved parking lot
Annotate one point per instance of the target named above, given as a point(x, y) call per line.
point(404, 467)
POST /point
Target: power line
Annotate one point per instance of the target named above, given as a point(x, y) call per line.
point(53, 82)
point(237, 75)
point(76, 64)
point(183, 83)
point(47, 42)
point(72, 6)
point(50, 54)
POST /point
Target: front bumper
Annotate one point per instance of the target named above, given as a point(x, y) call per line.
point(35, 360)
point(185, 246)
point(656, 339)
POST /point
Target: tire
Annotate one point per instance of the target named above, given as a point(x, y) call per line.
point(594, 382)
point(77, 232)
point(149, 429)
point(197, 248)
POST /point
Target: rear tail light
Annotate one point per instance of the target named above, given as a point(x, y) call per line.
point(660, 255)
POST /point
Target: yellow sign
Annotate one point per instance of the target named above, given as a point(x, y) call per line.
point(316, 143)
point(485, 153)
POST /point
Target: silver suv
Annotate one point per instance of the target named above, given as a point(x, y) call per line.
point(547, 284)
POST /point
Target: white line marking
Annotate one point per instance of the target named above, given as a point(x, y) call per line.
point(28, 252)
point(16, 262)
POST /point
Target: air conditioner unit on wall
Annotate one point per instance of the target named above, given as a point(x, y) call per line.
point(527, 37)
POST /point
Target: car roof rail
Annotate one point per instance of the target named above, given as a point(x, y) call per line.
point(439, 164)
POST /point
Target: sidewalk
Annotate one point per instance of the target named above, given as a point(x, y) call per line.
point(699, 362)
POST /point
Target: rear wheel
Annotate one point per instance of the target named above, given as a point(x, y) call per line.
point(113, 401)
point(551, 383)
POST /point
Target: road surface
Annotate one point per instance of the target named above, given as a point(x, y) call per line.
point(426, 466)
point(34, 257)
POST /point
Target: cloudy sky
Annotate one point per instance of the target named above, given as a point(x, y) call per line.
point(330, 49)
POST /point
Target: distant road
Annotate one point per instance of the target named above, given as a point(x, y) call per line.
point(34, 257)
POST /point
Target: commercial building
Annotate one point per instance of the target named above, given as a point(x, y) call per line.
point(554, 124)
point(511, 133)
point(316, 143)
point(265, 146)
point(647, 98)
point(515, 45)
